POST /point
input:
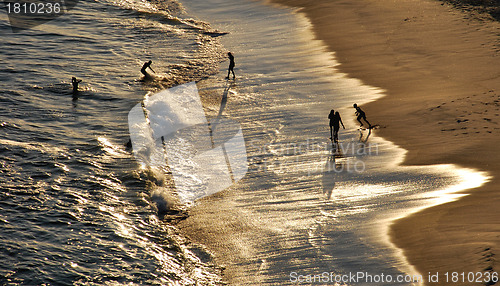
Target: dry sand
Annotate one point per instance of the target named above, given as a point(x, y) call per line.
point(440, 68)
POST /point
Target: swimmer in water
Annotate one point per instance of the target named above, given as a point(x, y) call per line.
point(145, 66)
point(75, 83)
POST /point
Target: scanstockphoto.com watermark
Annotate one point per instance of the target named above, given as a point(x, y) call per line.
point(478, 277)
point(353, 278)
point(294, 156)
point(169, 131)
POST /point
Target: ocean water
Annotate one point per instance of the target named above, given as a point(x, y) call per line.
point(78, 209)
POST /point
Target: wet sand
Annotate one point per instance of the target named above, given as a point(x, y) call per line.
point(440, 69)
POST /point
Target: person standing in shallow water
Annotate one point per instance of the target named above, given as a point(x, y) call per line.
point(231, 65)
point(331, 116)
point(336, 126)
point(335, 122)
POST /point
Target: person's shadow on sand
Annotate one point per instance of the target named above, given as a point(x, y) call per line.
point(214, 123)
point(223, 103)
point(224, 100)
point(331, 171)
point(367, 136)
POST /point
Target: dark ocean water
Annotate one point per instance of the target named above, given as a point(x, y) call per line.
point(76, 208)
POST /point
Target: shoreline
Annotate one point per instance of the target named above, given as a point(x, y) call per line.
point(439, 69)
point(275, 222)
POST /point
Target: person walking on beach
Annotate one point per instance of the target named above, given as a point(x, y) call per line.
point(75, 83)
point(331, 116)
point(361, 115)
point(145, 66)
point(336, 126)
point(231, 65)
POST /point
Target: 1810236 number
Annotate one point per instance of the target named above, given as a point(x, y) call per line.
point(471, 277)
point(25, 8)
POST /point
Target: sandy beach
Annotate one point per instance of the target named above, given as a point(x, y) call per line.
point(439, 67)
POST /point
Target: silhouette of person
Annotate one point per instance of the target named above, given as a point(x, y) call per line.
point(145, 66)
point(336, 126)
point(361, 115)
point(231, 65)
point(331, 116)
point(75, 83)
